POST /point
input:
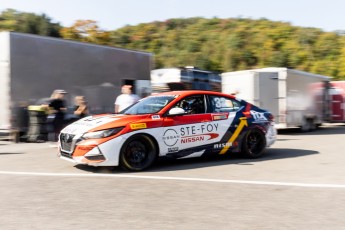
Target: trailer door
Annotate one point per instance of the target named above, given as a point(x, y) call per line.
point(337, 104)
point(268, 93)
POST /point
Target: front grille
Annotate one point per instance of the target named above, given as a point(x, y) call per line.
point(66, 141)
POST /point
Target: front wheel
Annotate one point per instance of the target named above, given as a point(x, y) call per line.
point(254, 143)
point(138, 153)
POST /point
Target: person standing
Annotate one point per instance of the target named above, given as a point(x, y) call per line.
point(57, 110)
point(80, 108)
point(126, 99)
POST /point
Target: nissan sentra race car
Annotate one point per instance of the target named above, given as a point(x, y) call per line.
point(176, 124)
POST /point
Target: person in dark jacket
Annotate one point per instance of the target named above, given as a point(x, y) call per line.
point(57, 110)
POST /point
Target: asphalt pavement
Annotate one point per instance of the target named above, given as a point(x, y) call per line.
point(298, 184)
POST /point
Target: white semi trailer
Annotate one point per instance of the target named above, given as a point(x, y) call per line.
point(32, 66)
point(295, 98)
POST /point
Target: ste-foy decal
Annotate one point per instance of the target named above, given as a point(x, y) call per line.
point(190, 133)
point(199, 129)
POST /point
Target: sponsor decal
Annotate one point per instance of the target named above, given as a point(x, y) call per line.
point(170, 137)
point(243, 122)
point(222, 145)
point(258, 116)
point(155, 117)
point(138, 126)
point(199, 129)
point(190, 134)
point(172, 149)
point(220, 117)
point(192, 139)
point(197, 138)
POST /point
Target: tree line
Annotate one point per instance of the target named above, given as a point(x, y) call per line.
point(215, 44)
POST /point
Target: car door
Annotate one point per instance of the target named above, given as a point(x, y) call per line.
point(184, 135)
point(225, 111)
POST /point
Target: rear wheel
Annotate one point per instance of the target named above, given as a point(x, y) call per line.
point(138, 153)
point(308, 125)
point(254, 143)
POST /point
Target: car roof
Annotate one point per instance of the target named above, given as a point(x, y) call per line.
point(193, 92)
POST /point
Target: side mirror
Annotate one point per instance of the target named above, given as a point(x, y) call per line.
point(176, 111)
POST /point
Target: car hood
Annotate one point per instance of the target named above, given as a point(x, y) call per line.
point(101, 122)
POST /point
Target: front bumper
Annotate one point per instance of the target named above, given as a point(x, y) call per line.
point(92, 152)
point(271, 135)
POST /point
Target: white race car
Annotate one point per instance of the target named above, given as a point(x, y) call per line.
point(176, 124)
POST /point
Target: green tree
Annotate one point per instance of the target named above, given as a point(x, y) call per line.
point(12, 20)
point(214, 44)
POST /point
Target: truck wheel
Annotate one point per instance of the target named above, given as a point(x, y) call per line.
point(138, 153)
point(312, 125)
point(254, 143)
point(308, 125)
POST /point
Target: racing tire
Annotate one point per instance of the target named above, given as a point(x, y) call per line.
point(254, 143)
point(138, 153)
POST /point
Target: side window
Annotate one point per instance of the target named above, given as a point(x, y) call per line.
point(192, 104)
point(223, 104)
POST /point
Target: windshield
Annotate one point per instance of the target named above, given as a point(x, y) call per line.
point(151, 104)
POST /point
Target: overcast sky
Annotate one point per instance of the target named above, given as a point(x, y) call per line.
point(113, 14)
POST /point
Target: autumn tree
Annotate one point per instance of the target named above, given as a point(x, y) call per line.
point(86, 31)
point(220, 45)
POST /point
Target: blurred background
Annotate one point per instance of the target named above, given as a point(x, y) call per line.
point(92, 49)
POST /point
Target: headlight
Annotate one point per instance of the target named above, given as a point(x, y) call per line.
point(102, 133)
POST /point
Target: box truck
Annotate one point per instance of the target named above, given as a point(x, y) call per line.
point(32, 66)
point(295, 98)
point(184, 78)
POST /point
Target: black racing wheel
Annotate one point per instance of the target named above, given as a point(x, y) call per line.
point(254, 143)
point(138, 153)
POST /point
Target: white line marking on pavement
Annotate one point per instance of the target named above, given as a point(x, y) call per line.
point(176, 178)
